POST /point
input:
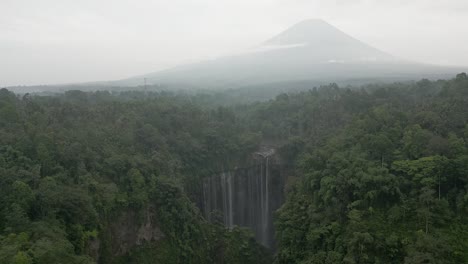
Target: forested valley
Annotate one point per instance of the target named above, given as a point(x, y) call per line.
point(378, 174)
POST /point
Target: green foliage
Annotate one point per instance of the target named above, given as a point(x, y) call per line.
point(381, 173)
point(390, 187)
point(70, 163)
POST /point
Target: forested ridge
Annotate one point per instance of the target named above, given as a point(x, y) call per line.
point(71, 164)
point(381, 174)
point(391, 187)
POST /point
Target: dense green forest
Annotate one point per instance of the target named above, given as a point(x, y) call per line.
point(381, 174)
point(390, 187)
point(72, 164)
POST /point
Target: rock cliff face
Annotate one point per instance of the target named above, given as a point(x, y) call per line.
point(127, 231)
point(247, 196)
point(132, 229)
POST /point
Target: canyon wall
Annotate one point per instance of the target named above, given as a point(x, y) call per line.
point(247, 196)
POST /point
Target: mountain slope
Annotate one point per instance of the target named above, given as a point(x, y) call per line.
point(324, 43)
point(311, 50)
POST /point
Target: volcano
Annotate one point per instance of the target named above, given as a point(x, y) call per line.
point(316, 41)
point(311, 50)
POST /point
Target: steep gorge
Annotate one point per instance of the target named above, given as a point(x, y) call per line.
point(247, 196)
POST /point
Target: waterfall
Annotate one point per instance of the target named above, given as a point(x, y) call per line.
point(246, 197)
point(262, 199)
point(266, 208)
point(206, 208)
point(231, 200)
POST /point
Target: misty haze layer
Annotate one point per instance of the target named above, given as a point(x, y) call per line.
point(310, 50)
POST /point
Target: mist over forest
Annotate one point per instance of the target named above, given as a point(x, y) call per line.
point(130, 134)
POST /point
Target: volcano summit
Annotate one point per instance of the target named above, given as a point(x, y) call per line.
point(311, 50)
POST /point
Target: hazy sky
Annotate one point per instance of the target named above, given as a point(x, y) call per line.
point(60, 41)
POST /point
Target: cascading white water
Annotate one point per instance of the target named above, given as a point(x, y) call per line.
point(262, 200)
point(231, 201)
point(207, 208)
point(224, 199)
point(266, 207)
point(246, 198)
